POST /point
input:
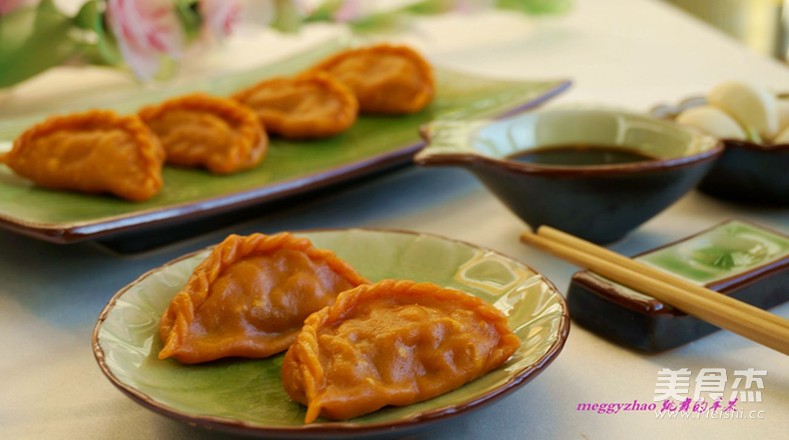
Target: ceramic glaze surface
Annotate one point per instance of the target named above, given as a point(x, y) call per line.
point(372, 144)
point(747, 172)
point(600, 203)
point(739, 259)
point(248, 394)
point(728, 250)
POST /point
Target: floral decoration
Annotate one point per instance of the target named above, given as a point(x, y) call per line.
point(150, 37)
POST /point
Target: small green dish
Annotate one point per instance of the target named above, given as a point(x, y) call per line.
point(736, 258)
point(246, 396)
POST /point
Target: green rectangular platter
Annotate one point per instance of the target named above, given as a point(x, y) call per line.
point(372, 145)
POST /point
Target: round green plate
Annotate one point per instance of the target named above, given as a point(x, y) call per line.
point(246, 396)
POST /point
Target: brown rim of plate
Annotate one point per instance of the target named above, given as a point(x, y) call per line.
point(646, 166)
point(63, 233)
point(335, 428)
point(652, 306)
point(669, 112)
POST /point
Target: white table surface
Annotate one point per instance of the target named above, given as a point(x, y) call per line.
point(628, 53)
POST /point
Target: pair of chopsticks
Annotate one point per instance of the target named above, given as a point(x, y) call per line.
point(720, 310)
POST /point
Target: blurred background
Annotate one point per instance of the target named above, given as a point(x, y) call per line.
point(760, 24)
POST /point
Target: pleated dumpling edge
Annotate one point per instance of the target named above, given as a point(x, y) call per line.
point(394, 343)
point(250, 296)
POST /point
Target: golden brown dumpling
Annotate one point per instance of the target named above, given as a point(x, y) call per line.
point(206, 131)
point(393, 343)
point(303, 107)
point(93, 152)
point(386, 79)
point(250, 296)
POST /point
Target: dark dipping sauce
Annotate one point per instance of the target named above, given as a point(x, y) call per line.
point(580, 155)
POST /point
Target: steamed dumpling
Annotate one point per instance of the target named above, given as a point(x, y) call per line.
point(250, 296)
point(393, 343)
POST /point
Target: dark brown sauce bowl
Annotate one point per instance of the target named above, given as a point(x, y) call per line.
point(601, 203)
point(747, 172)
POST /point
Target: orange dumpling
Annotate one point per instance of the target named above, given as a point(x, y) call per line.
point(302, 107)
point(206, 131)
point(386, 79)
point(250, 296)
point(93, 152)
point(393, 343)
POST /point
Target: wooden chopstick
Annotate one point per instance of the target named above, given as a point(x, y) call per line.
point(741, 318)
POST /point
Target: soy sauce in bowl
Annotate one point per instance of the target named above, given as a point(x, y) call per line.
point(580, 155)
point(591, 172)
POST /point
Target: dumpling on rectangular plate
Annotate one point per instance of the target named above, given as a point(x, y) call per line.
point(309, 106)
point(386, 79)
point(200, 130)
point(250, 296)
point(393, 343)
point(93, 152)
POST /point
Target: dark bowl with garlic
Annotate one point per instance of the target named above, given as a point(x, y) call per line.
point(754, 127)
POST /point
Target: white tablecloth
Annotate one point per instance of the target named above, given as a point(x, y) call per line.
point(628, 53)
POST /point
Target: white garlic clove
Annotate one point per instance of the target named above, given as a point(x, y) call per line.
point(712, 121)
point(749, 105)
point(782, 137)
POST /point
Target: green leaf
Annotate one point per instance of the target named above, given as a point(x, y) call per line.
point(188, 14)
point(287, 17)
point(104, 50)
point(325, 11)
point(429, 7)
point(34, 40)
point(536, 6)
point(381, 23)
point(87, 15)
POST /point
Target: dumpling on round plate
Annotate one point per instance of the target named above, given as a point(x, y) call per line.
point(199, 130)
point(386, 79)
point(250, 296)
point(94, 152)
point(393, 343)
point(303, 107)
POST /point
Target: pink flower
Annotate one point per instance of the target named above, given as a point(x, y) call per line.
point(148, 33)
point(7, 6)
point(220, 17)
point(348, 11)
